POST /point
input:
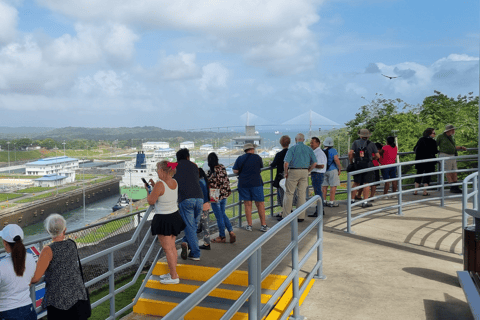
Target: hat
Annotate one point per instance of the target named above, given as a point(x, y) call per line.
point(364, 133)
point(449, 127)
point(249, 146)
point(10, 232)
point(328, 142)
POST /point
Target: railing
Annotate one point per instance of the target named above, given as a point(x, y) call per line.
point(255, 275)
point(401, 192)
point(473, 195)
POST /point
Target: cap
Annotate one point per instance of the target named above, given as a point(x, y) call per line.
point(249, 146)
point(328, 142)
point(10, 232)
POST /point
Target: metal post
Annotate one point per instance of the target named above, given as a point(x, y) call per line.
point(8, 146)
point(271, 192)
point(253, 306)
point(399, 186)
point(111, 284)
point(295, 281)
point(442, 182)
point(320, 274)
point(83, 187)
point(349, 202)
point(239, 212)
point(475, 189)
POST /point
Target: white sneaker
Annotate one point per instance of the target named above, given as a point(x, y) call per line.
point(165, 276)
point(169, 280)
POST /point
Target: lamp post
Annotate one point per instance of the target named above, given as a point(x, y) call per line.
point(83, 187)
point(8, 146)
point(64, 147)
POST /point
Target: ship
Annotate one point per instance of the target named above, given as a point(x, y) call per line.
point(122, 202)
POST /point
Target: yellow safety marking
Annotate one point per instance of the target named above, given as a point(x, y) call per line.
point(161, 308)
point(200, 273)
point(187, 288)
point(284, 301)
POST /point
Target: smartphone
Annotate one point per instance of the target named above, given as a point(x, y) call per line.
point(149, 187)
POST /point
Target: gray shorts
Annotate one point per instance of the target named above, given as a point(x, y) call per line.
point(450, 165)
point(331, 179)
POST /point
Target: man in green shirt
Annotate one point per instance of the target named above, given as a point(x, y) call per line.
point(447, 148)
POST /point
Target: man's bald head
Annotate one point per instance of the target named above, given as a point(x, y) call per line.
point(299, 137)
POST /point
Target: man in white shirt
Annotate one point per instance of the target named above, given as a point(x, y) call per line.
point(319, 170)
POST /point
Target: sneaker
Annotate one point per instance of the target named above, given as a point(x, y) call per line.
point(264, 228)
point(248, 228)
point(184, 253)
point(165, 276)
point(366, 205)
point(353, 201)
point(204, 247)
point(194, 258)
point(333, 204)
point(169, 280)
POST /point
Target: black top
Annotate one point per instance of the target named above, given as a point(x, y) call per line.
point(278, 160)
point(188, 181)
point(250, 174)
point(426, 148)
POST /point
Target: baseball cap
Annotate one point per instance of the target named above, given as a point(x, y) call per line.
point(10, 232)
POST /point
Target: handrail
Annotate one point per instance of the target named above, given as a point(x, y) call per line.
point(400, 193)
point(465, 197)
point(253, 254)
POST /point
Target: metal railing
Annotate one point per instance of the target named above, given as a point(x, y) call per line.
point(473, 195)
point(401, 192)
point(255, 275)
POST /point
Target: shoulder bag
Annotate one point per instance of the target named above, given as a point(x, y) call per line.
point(83, 305)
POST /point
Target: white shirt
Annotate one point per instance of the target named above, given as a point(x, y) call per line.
point(167, 203)
point(14, 290)
point(321, 159)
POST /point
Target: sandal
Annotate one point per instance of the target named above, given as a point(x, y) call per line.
point(219, 240)
point(233, 237)
point(358, 198)
point(415, 193)
point(426, 194)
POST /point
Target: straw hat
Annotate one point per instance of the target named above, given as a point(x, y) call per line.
point(449, 127)
point(364, 133)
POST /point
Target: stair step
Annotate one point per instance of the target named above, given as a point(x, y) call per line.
point(200, 273)
point(189, 286)
point(160, 302)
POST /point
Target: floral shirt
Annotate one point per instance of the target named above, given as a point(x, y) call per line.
point(219, 180)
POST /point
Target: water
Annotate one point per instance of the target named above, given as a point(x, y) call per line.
point(75, 219)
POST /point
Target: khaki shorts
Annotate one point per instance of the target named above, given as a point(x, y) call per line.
point(330, 179)
point(450, 165)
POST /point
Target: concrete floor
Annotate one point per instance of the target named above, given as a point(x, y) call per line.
point(393, 267)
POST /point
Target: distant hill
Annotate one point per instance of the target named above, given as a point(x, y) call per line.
point(21, 132)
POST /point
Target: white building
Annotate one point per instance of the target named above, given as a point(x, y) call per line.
point(187, 145)
point(222, 149)
point(206, 147)
point(63, 165)
point(50, 180)
point(164, 153)
point(155, 145)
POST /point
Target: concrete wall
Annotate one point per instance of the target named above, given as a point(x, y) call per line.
point(37, 212)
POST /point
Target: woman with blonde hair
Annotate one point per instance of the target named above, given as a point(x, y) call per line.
point(167, 222)
point(16, 271)
point(65, 292)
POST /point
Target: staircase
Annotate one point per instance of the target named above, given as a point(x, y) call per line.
point(158, 299)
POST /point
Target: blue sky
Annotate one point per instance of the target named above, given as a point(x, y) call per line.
point(196, 64)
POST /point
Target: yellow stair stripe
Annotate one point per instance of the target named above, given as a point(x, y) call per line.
point(187, 288)
point(161, 308)
point(200, 273)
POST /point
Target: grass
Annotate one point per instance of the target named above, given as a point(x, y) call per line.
point(9, 196)
point(17, 176)
point(102, 179)
point(104, 231)
point(47, 195)
point(34, 189)
point(102, 311)
point(9, 205)
point(20, 155)
point(81, 177)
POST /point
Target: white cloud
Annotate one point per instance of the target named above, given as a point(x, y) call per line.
point(107, 82)
point(178, 67)
point(214, 76)
point(355, 88)
point(23, 102)
point(8, 22)
point(311, 87)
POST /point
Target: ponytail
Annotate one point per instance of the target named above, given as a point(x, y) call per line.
point(18, 255)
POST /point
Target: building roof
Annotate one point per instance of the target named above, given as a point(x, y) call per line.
point(48, 161)
point(150, 142)
point(185, 142)
point(207, 146)
point(164, 149)
point(51, 177)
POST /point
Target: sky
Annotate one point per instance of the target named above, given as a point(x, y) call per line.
point(196, 63)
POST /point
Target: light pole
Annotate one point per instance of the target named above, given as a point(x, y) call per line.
point(83, 186)
point(64, 147)
point(8, 146)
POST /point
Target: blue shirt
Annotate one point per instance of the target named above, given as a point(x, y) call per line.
point(250, 174)
point(300, 156)
point(331, 164)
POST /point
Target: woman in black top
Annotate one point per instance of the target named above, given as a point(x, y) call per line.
point(278, 163)
point(426, 148)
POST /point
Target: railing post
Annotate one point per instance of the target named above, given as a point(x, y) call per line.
point(239, 212)
point(399, 186)
point(271, 191)
point(254, 279)
point(475, 189)
point(442, 182)
point(295, 281)
point(111, 284)
point(234, 207)
point(349, 202)
point(320, 274)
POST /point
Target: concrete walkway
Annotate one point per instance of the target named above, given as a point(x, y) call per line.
point(393, 267)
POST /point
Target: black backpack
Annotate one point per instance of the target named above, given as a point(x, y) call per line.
point(326, 154)
point(362, 163)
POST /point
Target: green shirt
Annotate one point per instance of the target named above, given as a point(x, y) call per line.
point(300, 156)
point(446, 144)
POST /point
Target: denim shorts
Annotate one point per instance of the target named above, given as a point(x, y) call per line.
point(251, 194)
point(389, 173)
point(21, 313)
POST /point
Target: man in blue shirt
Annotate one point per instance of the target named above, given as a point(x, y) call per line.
point(250, 184)
point(299, 161)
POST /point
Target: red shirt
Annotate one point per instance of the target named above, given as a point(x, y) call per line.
point(389, 155)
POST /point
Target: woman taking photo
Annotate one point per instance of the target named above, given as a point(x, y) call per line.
point(167, 222)
point(16, 271)
point(220, 186)
point(426, 148)
point(65, 292)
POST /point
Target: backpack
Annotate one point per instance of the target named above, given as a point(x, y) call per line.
point(326, 154)
point(362, 162)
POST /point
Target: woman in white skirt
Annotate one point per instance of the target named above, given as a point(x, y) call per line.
point(167, 222)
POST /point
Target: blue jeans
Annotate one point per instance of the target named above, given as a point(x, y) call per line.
point(190, 210)
point(21, 313)
point(223, 222)
point(317, 181)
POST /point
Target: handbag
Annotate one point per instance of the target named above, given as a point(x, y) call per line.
point(351, 167)
point(276, 181)
point(83, 306)
point(214, 194)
